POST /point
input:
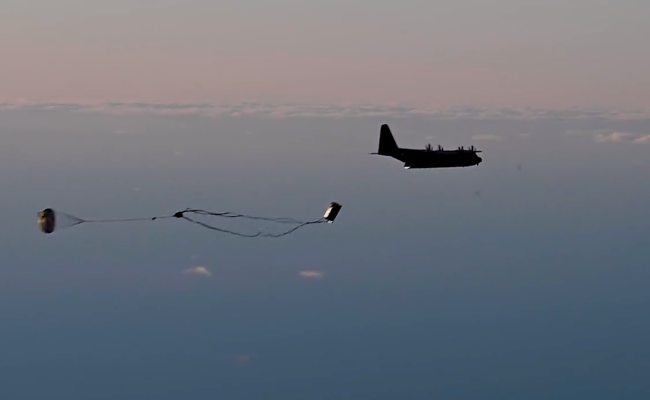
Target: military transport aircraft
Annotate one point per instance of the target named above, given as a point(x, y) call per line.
point(427, 157)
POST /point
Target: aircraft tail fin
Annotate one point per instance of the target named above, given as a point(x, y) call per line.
point(387, 144)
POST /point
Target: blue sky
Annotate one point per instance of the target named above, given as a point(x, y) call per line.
point(486, 282)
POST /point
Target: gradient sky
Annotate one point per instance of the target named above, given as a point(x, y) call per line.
point(539, 53)
point(487, 282)
point(523, 278)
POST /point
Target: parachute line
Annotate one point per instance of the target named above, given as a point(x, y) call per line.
point(258, 234)
point(280, 220)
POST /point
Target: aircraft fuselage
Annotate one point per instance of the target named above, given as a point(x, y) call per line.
point(415, 158)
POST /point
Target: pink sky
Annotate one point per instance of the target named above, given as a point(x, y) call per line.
point(502, 59)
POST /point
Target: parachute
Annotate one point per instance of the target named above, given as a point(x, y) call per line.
point(50, 220)
point(47, 220)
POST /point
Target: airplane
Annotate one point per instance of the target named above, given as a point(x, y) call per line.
point(427, 157)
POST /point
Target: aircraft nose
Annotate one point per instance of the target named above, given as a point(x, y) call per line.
point(478, 160)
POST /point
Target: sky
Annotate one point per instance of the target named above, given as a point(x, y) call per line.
point(522, 278)
point(500, 53)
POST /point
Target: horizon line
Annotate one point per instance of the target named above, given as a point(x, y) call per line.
point(331, 110)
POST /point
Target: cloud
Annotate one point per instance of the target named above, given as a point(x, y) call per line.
point(311, 274)
point(198, 271)
point(607, 136)
point(491, 138)
point(613, 137)
point(327, 111)
point(620, 137)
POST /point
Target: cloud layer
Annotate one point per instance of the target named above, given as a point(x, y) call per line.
point(619, 137)
point(613, 137)
point(330, 111)
point(608, 136)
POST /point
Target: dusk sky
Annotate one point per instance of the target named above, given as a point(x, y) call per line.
point(538, 53)
point(525, 277)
